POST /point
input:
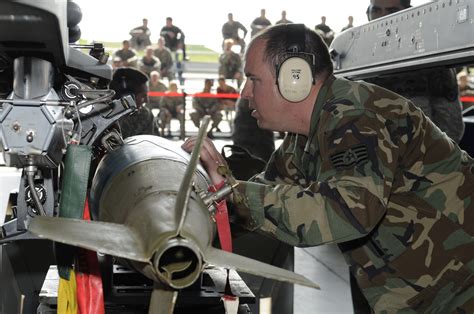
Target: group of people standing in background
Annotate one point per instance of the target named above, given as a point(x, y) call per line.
point(161, 61)
point(164, 60)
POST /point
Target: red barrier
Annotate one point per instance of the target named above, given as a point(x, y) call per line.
point(202, 95)
point(236, 96)
point(467, 98)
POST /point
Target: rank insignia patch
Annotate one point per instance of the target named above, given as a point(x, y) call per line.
point(356, 155)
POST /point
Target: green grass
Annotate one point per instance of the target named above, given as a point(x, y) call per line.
point(197, 53)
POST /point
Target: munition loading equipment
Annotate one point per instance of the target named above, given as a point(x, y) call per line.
point(432, 35)
point(59, 94)
point(439, 33)
point(51, 93)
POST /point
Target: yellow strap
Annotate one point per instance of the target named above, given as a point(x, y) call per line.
point(67, 298)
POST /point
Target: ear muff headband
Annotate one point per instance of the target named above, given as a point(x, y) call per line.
point(295, 75)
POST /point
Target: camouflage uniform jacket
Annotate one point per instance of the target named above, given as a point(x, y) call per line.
point(231, 30)
point(435, 91)
point(124, 55)
point(138, 123)
point(205, 105)
point(172, 104)
point(165, 57)
point(154, 101)
point(229, 64)
point(380, 179)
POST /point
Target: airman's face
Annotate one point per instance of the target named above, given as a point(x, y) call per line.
point(267, 106)
point(155, 77)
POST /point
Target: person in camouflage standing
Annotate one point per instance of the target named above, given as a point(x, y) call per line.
point(259, 23)
point(164, 54)
point(230, 30)
point(363, 167)
point(140, 36)
point(230, 64)
point(128, 57)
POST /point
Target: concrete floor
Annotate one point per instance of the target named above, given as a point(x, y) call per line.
point(325, 266)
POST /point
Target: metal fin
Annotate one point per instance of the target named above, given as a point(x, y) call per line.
point(162, 301)
point(185, 188)
point(108, 238)
point(172, 268)
point(253, 267)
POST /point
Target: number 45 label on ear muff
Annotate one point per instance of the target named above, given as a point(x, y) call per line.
point(295, 79)
point(296, 74)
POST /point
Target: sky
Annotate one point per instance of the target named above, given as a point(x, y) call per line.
point(201, 21)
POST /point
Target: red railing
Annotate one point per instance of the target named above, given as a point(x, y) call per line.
point(202, 95)
point(467, 98)
point(236, 96)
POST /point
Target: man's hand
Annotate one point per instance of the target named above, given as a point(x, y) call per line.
point(210, 157)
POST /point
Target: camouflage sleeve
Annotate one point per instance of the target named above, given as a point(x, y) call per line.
point(222, 59)
point(238, 63)
point(164, 102)
point(244, 29)
point(196, 104)
point(277, 170)
point(447, 115)
point(212, 105)
point(345, 202)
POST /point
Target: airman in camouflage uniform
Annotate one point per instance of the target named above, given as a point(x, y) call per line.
point(140, 36)
point(203, 105)
point(171, 106)
point(130, 81)
point(230, 64)
point(155, 85)
point(365, 168)
point(149, 63)
point(127, 56)
point(164, 54)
